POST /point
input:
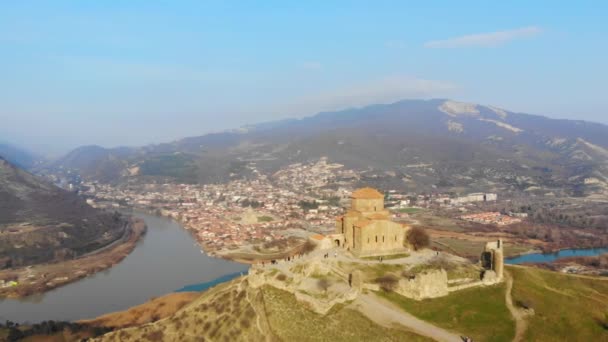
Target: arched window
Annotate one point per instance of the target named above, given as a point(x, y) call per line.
point(367, 240)
point(376, 238)
point(382, 238)
point(395, 237)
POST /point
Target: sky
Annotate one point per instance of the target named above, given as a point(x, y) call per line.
point(138, 72)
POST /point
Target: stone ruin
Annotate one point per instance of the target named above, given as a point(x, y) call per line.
point(299, 279)
point(492, 260)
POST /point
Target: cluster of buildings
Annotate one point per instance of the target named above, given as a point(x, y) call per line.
point(398, 200)
point(495, 218)
point(241, 212)
point(315, 178)
point(300, 198)
point(449, 201)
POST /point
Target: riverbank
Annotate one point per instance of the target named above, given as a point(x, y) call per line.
point(151, 311)
point(164, 260)
point(247, 254)
point(27, 281)
point(552, 256)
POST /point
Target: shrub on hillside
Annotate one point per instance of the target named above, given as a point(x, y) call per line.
point(524, 304)
point(387, 282)
point(308, 247)
point(418, 238)
point(323, 284)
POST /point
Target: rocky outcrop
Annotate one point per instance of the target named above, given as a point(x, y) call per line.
point(323, 305)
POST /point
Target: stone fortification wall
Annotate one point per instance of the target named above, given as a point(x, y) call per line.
point(430, 284)
point(292, 283)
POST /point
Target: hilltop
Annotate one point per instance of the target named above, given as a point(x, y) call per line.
point(310, 299)
point(529, 307)
point(415, 144)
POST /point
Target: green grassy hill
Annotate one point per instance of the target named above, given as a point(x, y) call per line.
point(566, 307)
point(479, 313)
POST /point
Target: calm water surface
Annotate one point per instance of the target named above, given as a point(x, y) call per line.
point(550, 257)
point(165, 260)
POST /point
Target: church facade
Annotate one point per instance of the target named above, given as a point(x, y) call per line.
point(366, 228)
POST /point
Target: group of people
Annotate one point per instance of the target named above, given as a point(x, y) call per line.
point(288, 258)
point(326, 255)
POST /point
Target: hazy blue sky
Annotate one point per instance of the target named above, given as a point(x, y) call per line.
point(138, 72)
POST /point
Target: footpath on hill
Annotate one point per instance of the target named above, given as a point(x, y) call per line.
point(386, 314)
point(520, 321)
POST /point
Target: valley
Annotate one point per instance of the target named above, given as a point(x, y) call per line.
point(273, 197)
point(303, 171)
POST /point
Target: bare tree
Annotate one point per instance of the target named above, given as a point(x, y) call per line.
point(308, 247)
point(387, 282)
point(418, 238)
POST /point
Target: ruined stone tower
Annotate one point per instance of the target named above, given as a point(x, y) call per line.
point(492, 257)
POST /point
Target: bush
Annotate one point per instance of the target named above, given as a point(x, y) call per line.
point(307, 247)
point(418, 238)
point(323, 284)
point(157, 335)
point(265, 219)
point(524, 304)
point(387, 282)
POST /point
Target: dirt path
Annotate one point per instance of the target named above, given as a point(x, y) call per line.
point(520, 321)
point(387, 314)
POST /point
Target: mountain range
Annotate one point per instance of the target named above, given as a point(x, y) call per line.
point(421, 145)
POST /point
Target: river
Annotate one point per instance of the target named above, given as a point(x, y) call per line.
point(550, 257)
point(166, 259)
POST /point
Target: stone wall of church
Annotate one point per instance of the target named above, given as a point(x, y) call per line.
point(382, 235)
point(348, 230)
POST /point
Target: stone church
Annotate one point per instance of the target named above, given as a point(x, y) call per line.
point(366, 229)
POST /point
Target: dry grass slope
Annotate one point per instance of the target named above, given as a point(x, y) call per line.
point(235, 312)
point(291, 321)
point(221, 314)
point(152, 311)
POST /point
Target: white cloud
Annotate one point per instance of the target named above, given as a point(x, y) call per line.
point(485, 39)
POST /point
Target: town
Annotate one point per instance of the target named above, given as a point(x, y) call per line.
point(248, 216)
